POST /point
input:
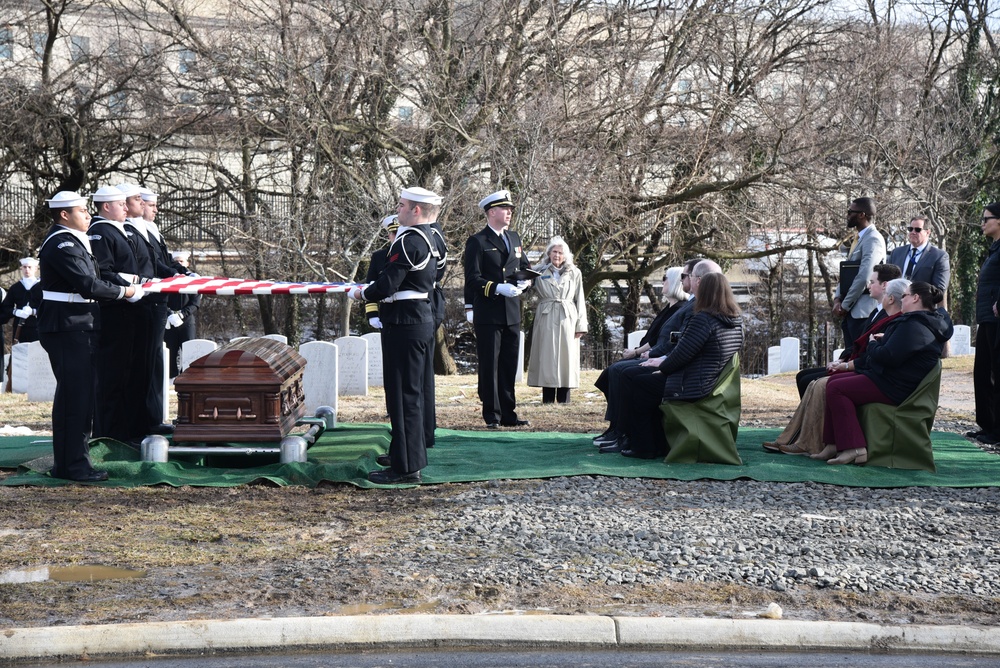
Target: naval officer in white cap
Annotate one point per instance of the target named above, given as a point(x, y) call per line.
point(492, 298)
point(405, 287)
point(68, 324)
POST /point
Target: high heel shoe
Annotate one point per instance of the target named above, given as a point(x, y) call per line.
point(828, 452)
point(855, 456)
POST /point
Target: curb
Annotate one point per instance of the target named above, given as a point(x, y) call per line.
point(486, 631)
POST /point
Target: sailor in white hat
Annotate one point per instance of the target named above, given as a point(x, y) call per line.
point(68, 316)
point(181, 323)
point(123, 349)
point(390, 224)
point(493, 256)
point(20, 306)
point(405, 287)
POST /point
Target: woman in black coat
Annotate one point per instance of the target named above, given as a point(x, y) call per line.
point(689, 372)
point(890, 370)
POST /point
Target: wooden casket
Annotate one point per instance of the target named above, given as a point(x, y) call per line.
point(248, 390)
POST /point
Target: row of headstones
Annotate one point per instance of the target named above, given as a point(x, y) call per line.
point(347, 366)
point(785, 357)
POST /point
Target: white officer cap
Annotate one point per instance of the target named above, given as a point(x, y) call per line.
point(180, 254)
point(499, 198)
point(420, 195)
point(65, 199)
point(147, 195)
point(129, 189)
point(108, 194)
point(390, 223)
point(29, 262)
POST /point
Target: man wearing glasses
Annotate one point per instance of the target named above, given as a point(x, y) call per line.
point(869, 250)
point(920, 260)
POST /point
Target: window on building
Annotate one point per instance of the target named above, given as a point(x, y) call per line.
point(79, 47)
point(406, 114)
point(6, 43)
point(187, 60)
point(38, 41)
point(117, 102)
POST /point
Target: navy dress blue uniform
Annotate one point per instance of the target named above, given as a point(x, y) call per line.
point(186, 306)
point(404, 287)
point(18, 296)
point(68, 321)
point(123, 347)
point(496, 319)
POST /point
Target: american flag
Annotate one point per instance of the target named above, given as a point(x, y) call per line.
point(209, 285)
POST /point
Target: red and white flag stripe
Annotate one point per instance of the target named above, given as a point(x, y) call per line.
point(209, 285)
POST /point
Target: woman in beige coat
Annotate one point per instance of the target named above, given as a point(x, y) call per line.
point(560, 321)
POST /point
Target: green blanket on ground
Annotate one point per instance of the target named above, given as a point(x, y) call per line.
point(347, 453)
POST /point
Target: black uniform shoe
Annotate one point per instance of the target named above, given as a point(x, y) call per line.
point(383, 460)
point(975, 434)
point(492, 425)
point(517, 423)
point(987, 439)
point(390, 477)
point(609, 436)
point(162, 429)
point(93, 476)
point(638, 455)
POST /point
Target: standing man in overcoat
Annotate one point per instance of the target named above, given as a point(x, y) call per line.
point(493, 257)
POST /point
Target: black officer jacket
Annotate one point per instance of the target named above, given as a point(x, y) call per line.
point(18, 297)
point(66, 266)
point(487, 265)
point(113, 251)
point(408, 251)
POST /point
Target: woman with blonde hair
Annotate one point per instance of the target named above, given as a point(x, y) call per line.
point(560, 321)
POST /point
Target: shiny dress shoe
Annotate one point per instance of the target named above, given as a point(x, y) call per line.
point(383, 460)
point(828, 452)
point(854, 456)
point(162, 429)
point(93, 476)
point(390, 477)
point(492, 425)
point(617, 446)
point(976, 433)
point(517, 423)
point(639, 455)
point(791, 449)
point(771, 446)
point(987, 439)
point(610, 436)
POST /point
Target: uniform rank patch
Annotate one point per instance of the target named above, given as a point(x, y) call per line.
point(64, 244)
point(394, 257)
point(94, 237)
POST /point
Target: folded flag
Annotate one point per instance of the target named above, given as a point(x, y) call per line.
point(215, 285)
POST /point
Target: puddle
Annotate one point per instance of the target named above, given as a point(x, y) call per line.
point(68, 574)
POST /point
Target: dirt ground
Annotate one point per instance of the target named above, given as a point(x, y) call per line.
point(264, 551)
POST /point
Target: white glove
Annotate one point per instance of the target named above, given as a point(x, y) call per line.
point(508, 290)
point(175, 320)
point(356, 293)
point(468, 315)
point(523, 285)
point(375, 322)
point(139, 294)
point(24, 313)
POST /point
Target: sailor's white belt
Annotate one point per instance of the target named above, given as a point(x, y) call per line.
point(403, 295)
point(68, 297)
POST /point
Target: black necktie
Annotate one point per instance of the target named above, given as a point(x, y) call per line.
point(910, 263)
point(506, 241)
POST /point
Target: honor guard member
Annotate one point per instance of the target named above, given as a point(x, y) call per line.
point(122, 356)
point(68, 324)
point(181, 319)
point(404, 287)
point(17, 304)
point(492, 258)
point(390, 224)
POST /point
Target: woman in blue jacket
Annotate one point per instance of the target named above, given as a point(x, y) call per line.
point(894, 365)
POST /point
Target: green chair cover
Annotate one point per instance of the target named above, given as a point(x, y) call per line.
point(899, 437)
point(705, 430)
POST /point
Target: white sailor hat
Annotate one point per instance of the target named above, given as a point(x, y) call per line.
point(390, 223)
point(65, 199)
point(29, 262)
point(499, 198)
point(180, 254)
point(147, 194)
point(129, 189)
point(108, 194)
point(420, 195)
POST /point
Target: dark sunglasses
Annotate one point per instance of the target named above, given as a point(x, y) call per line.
point(914, 229)
point(685, 275)
point(850, 211)
point(985, 218)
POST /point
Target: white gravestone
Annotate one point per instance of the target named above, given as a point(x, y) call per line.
point(635, 337)
point(165, 383)
point(961, 340)
point(789, 354)
point(319, 378)
point(773, 360)
point(193, 349)
point(352, 366)
point(3, 373)
point(20, 367)
point(375, 378)
point(280, 338)
point(519, 376)
point(41, 380)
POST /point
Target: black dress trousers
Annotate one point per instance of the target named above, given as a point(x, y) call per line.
point(73, 356)
point(404, 365)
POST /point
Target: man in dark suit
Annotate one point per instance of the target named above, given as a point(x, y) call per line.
point(68, 324)
point(492, 295)
point(921, 260)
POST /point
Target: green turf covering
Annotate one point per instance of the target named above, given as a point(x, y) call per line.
point(347, 453)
